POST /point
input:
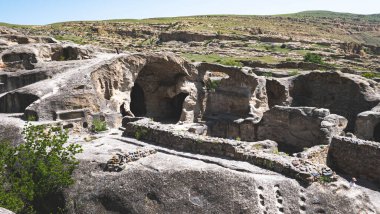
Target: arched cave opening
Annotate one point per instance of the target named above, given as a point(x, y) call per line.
point(176, 104)
point(376, 133)
point(138, 106)
point(16, 102)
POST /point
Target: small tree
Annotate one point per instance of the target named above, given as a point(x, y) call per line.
point(40, 167)
point(313, 58)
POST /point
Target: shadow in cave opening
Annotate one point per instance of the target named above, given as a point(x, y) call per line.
point(138, 106)
point(167, 110)
point(376, 133)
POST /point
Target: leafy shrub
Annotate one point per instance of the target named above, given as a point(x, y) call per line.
point(40, 167)
point(325, 179)
point(140, 133)
point(213, 84)
point(313, 58)
point(99, 125)
point(31, 118)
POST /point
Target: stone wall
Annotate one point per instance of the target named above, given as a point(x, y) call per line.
point(355, 157)
point(296, 128)
point(251, 152)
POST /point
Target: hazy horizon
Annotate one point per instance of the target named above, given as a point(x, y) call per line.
point(41, 12)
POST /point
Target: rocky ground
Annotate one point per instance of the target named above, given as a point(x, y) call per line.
point(239, 121)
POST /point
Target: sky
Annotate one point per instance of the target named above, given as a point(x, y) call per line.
point(39, 12)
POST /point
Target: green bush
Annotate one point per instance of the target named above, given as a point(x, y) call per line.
point(99, 125)
point(213, 84)
point(313, 58)
point(140, 132)
point(39, 168)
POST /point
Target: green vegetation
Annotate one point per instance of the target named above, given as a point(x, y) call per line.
point(267, 74)
point(140, 132)
point(75, 39)
point(294, 73)
point(99, 125)
point(238, 138)
point(214, 58)
point(333, 15)
point(31, 118)
point(371, 75)
point(212, 84)
point(37, 169)
point(313, 58)
point(271, 47)
point(325, 179)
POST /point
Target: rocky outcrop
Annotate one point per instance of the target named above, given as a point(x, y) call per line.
point(185, 36)
point(5, 211)
point(300, 127)
point(241, 93)
point(355, 157)
point(368, 125)
point(11, 130)
point(330, 90)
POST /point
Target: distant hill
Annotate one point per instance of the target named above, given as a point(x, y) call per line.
point(330, 14)
point(308, 25)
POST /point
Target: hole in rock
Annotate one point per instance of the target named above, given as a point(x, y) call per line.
point(176, 105)
point(137, 105)
point(16, 102)
point(376, 133)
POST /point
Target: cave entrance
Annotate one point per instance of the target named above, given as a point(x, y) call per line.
point(176, 105)
point(376, 133)
point(137, 106)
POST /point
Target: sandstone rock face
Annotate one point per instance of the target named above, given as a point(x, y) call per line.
point(355, 157)
point(176, 182)
point(331, 89)
point(184, 36)
point(241, 93)
point(368, 126)
point(302, 127)
point(79, 80)
point(10, 130)
point(5, 211)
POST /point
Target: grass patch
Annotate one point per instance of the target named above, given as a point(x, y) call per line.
point(76, 39)
point(371, 75)
point(214, 58)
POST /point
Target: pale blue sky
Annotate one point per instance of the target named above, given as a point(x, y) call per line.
point(50, 11)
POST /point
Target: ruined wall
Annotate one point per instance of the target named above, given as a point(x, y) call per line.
point(355, 157)
point(238, 150)
point(296, 128)
point(342, 94)
point(242, 94)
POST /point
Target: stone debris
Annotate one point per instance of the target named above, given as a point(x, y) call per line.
point(118, 162)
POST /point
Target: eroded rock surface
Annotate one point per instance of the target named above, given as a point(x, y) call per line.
point(220, 132)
